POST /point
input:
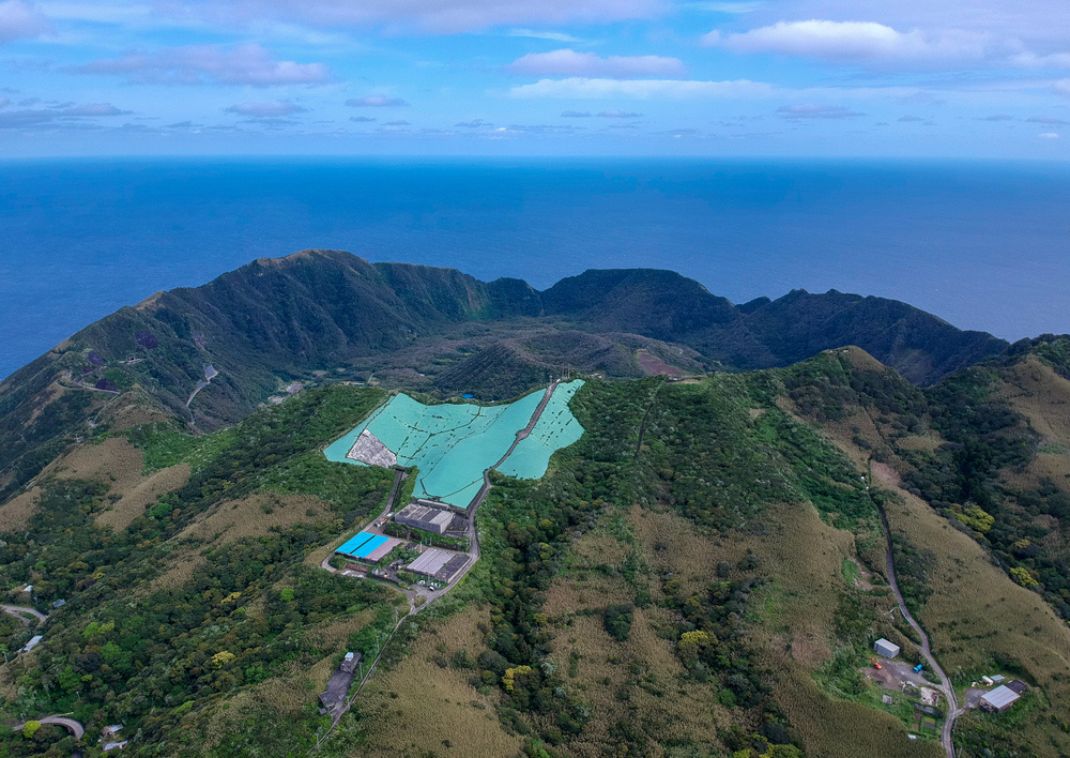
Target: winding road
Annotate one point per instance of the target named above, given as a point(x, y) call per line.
point(953, 709)
point(22, 611)
point(72, 726)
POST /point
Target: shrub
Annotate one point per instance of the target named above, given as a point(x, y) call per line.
point(617, 620)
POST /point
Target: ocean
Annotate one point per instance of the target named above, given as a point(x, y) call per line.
point(985, 246)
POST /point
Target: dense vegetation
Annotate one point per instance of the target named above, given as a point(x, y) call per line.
point(164, 653)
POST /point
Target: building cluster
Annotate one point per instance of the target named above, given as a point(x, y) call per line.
point(997, 700)
point(371, 550)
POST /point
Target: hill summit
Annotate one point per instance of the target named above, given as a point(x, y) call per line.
point(276, 321)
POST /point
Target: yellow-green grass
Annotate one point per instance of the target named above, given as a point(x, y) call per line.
point(420, 708)
point(253, 516)
point(116, 464)
point(638, 681)
point(17, 512)
point(976, 615)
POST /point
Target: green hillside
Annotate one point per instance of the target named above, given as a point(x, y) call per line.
point(326, 314)
point(702, 573)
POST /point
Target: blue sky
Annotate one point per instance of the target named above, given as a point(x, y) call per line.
point(903, 78)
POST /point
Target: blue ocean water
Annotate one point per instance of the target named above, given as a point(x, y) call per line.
point(986, 246)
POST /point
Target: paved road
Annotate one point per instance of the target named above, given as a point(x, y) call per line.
point(953, 709)
point(21, 612)
point(69, 724)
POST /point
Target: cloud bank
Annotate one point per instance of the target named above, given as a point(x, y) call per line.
point(864, 41)
point(568, 62)
point(248, 64)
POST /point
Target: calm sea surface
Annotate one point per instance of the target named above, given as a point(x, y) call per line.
point(984, 246)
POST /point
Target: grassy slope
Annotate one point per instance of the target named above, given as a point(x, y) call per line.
point(979, 619)
point(729, 515)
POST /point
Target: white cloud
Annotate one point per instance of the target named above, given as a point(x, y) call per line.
point(818, 112)
point(1062, 86)
point(440, 16)
point(19, 19)
point(376, 101)
point(862, 41)
point(266, 109)
point(199, 64)
point(1029, 59)
point(1049, 135)
point(568, 62)
point(546, 35)
point(593, 88)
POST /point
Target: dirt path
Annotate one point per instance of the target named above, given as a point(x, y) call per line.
point(953, 709)
point(21, 612)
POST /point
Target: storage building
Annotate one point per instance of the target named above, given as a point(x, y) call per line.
point(886, 648)
point(999, 699)
point(443, 565)
point(368, 546)
point(424, 517)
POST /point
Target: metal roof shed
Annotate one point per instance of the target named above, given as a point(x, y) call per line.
point(999, 699)
point(886, 648)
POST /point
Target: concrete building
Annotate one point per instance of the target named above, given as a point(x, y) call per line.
point(885, 648)
point(442, 565)
point(999, 699)
point(424, 517)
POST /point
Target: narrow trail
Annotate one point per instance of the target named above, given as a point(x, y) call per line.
point(646, 418)
point(953, 709)
point(473, 553)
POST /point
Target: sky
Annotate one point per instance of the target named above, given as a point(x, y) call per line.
point(971, 79)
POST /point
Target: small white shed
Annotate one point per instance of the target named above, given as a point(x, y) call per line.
point(886, 648)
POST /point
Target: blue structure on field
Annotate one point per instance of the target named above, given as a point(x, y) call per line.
point(363, 545)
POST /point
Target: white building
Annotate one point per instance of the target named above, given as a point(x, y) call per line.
point(886, 648)
point(999, 699)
